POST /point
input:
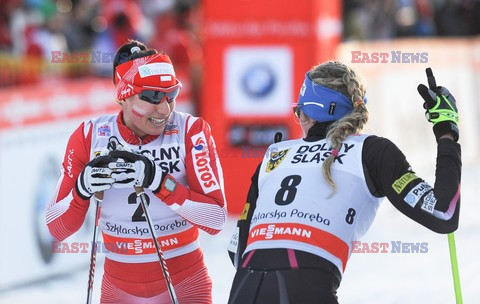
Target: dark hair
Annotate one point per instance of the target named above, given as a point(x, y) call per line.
point(125, 54)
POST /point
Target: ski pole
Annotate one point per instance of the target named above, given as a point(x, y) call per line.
point(451, 238)
point(141, 193)
point(93, 256)
point(455, 273)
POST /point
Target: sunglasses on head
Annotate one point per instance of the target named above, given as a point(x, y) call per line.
point(156, 97)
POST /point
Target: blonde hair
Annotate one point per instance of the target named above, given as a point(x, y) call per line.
point(339, 77)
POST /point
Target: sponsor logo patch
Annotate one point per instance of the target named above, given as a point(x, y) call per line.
point(275, 160)
point(416, 193)
point(403, 181)
point(104, 130)
point(232, 246)
point(245, 212)
point(201, 164)
point(302, 90)
point(125, 92)
point(429, 202)
point(171, 129)
point(69, 163)
point(157, 68)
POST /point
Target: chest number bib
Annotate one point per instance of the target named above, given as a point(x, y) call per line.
point(288, 190)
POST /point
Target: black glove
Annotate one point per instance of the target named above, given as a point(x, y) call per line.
point(441, 110)
point(95, 177)
point(135, 170)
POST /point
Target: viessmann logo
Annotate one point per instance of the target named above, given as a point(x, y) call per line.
point(201, 164)
point(274, 231)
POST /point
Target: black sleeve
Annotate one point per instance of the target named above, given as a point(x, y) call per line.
point(243, 223)
point(389, 174)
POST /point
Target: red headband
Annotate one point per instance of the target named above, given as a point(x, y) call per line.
point(154, 72)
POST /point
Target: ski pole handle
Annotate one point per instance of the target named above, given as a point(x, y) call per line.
point(139, 191)
point(431, 80)
point(99, 196)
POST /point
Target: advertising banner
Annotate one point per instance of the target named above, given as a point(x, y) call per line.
point(256, 56)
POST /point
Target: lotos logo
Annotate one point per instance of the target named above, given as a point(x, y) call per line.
point(201, 164)
point(198, 145)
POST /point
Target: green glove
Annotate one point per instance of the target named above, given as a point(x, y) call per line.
point(441, 110)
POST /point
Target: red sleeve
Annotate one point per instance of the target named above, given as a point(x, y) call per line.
point(202, 203)
point(66, 211)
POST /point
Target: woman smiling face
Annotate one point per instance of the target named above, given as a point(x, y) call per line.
point(145, 118)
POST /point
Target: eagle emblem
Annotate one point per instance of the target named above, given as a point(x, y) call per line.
point(276, 159)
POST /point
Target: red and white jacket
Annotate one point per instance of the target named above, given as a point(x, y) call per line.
point(186, 151)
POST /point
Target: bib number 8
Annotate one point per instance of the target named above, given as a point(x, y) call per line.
point(350, 216)
point(288, 190)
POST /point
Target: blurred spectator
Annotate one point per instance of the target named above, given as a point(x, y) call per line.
point(5, 20)
point(426, 22)
point(366, 20)
point(375, 19)
point(173, 35)
point(118, 21)
point(49, 36)
point(37, 28)
point(451, 18)
point(34, 28)
point(78, 30)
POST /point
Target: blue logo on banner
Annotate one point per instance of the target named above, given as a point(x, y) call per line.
point(258, 81)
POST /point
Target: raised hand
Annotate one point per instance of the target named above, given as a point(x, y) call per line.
point(441, 108)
